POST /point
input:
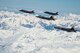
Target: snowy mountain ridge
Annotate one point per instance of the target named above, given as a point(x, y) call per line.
point(21, 33)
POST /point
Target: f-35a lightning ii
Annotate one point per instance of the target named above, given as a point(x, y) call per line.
point(66, 29)
point(26, 11)
point(46, 18)
point(51, 13)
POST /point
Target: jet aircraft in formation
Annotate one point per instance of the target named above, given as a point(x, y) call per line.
point(26, 11)
point(50, 18)
point(51, 13)
point(66, 29)
point(46, 18)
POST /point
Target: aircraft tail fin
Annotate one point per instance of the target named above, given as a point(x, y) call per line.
point(73, 29)
point(57, 13)
point(52, 18)
point(33, 11)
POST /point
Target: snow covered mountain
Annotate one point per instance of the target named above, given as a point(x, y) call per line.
point(21, 33)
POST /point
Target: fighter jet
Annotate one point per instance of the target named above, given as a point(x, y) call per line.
point(42, 17)
point(25, 11)
point(51, 13)
point(66, 29)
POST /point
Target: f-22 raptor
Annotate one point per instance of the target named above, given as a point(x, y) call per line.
point(26, 11)
point(51, 13)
